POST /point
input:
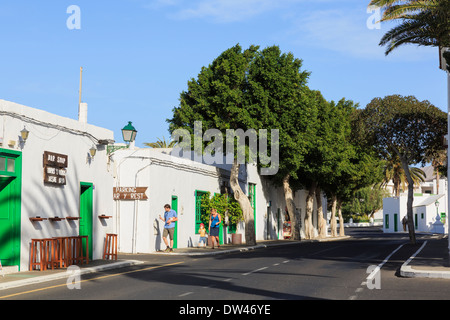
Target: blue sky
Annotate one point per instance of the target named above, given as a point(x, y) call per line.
point(138, 55)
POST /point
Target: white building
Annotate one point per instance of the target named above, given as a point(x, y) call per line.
point(50, 184)
point(429, 212)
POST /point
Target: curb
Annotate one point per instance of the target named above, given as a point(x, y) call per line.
point(408, 272)
point(244, 249)
point(62, 275)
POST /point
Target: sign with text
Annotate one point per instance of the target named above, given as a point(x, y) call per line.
point(130, 193)
point(55, 168)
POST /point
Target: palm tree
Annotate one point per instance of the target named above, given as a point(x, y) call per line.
point(423, 22)
point(161, 143)
point(394, 172)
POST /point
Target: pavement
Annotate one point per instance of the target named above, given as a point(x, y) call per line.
point(430, 261)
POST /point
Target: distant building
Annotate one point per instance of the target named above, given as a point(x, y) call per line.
point(430, 210)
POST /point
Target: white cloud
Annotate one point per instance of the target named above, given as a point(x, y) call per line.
point(347, 32)
point(227, 10)
point(221, 11)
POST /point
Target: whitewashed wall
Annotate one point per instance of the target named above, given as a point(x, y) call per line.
point(423, 206)
point(137, 222)
point(49, 132)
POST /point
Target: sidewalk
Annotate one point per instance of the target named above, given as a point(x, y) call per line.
point(431, 260)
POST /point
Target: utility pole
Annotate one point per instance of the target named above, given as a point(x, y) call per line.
point(81, 80)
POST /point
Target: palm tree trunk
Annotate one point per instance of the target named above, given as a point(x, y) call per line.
point(409, 204)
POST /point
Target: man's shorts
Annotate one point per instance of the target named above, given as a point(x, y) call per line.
point(169, 232)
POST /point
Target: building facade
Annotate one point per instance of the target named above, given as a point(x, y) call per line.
point(51, 183)
point(180, 182)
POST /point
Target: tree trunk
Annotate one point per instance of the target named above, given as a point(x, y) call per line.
point(333, 224)
point(437, 181)
point(289, 197)
point(244, 202)
point(341, 219)
point(321, 222)
point(409, 204)
point(309, 230)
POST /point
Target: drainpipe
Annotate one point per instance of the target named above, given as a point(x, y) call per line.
point(136, 207)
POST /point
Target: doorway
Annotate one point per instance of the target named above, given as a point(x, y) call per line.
point(10, 206)
point(86, 211)
point(174, 206)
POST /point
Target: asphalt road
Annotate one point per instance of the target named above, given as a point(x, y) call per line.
point(337, 270)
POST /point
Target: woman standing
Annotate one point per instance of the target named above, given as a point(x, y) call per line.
point(214, 225)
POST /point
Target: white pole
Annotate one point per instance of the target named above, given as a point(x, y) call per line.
point(448, 155)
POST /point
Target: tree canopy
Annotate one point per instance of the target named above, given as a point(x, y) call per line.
point(407, 128)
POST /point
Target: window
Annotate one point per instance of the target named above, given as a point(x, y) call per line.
point(199, 210)
point(7, 164)
point(386, 221)
point(10, 165)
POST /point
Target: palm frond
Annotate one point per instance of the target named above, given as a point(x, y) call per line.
point(161, 143)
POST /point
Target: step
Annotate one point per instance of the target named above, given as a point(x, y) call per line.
point(9, 269)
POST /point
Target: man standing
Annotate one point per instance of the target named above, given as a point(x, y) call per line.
point(170, 216)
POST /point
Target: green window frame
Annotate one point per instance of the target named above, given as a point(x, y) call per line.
point(386, 221)
point(7, 165)
point(252, 198)
point(198, 209)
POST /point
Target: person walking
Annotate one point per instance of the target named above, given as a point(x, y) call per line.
point(214, 225)
point(170, 216)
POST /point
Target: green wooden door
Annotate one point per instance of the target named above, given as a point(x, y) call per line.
point(174, 206)
point(86, 212)
point(10, 206)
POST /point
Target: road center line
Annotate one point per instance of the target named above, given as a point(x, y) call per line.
point(260, 269)
point(378, 268)
point(185, 294)
point(96, 278)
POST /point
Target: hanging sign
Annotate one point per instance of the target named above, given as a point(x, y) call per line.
point(55, 168)
point(130, 193)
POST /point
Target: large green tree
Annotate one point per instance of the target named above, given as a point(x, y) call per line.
point(284, 102)
point(246, 90)
point(405, 127)
point(218, 99)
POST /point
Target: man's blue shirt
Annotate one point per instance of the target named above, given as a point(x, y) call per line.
point(167, 215)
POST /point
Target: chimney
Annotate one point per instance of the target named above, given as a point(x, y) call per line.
point(82, 112)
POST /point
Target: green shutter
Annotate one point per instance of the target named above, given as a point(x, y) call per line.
point(198, 210)
point(10, 206)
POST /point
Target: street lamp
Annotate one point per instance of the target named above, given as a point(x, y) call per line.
point(24, 134)
point(129, 133)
